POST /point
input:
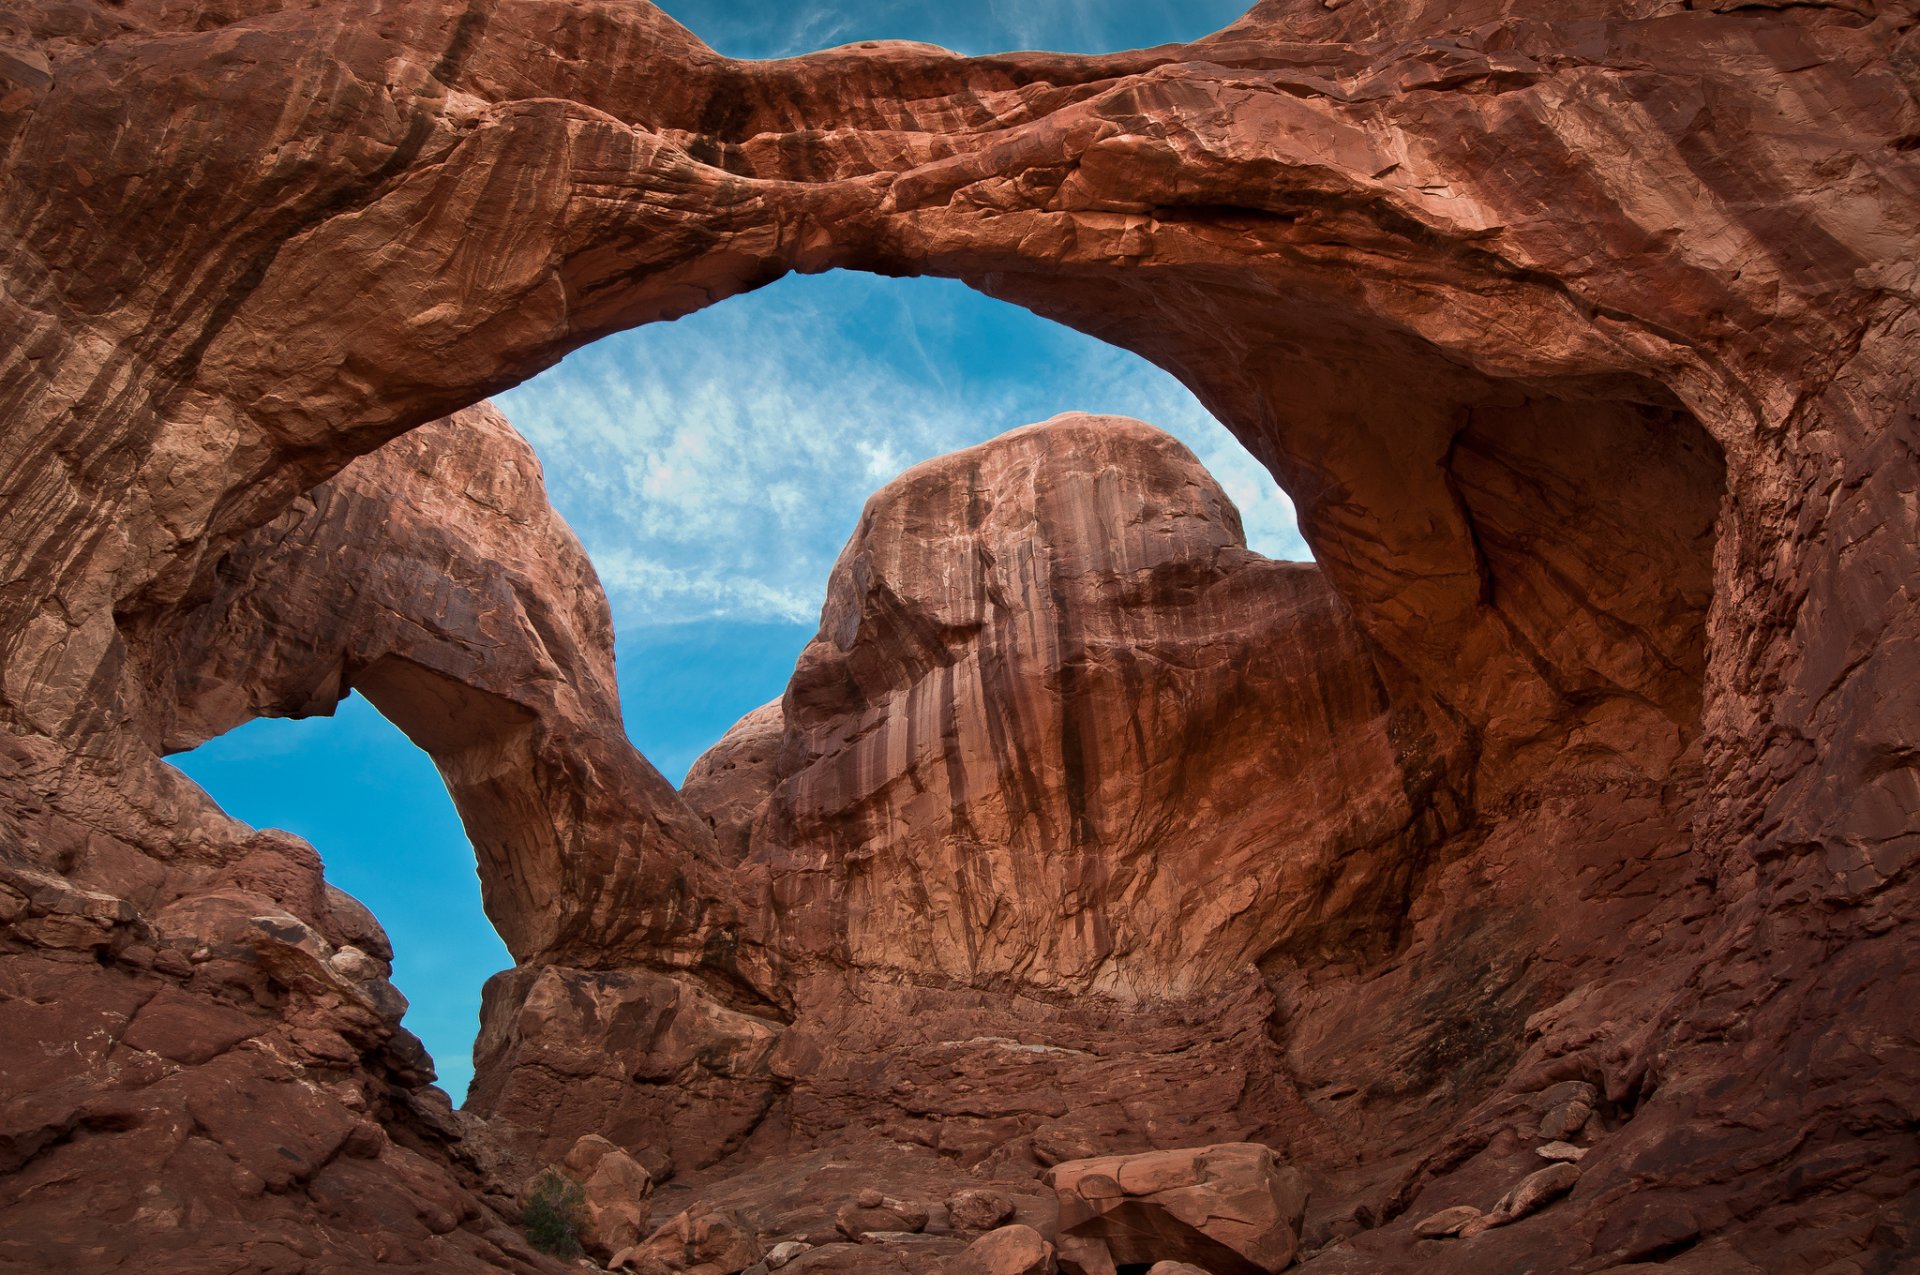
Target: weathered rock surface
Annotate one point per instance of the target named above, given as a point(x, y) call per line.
point(615, 1189)
point(874, 1212)
point(654, 1062)
point(1060, 728)
point(1231, 1209)
point(731, 782)
point(1025, 751)
point(261, 1104)
point(1010, 1250)
point(978, 1210)
point(697, 1242)
point(1582, 334)
point(1531, 1194)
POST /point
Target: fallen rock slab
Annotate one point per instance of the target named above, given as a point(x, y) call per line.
point(617, 1194)
point(1533, 1193)
point(1560, 1151)
point(1447, 1223)
point(1232, 1209)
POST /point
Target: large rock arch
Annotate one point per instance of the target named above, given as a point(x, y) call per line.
point(1452, 273)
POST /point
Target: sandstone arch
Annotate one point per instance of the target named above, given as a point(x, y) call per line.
point(466, 611)
point(1347, 228)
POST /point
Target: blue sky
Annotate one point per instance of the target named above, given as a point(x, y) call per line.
point(714, 467)
point(782, 28)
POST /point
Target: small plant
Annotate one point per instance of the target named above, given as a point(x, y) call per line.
point(550, 1215)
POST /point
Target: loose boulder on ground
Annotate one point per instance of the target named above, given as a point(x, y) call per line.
point(1447, 1223)
point(1534, 1192)
point(1531, 1194)
point(977, 1209)
point(1011, 1250)
point(874, 1213)
point(617, 1195)
point(785, 1251)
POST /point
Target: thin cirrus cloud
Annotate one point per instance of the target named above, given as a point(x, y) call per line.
point(715, 466)
point(778, 28)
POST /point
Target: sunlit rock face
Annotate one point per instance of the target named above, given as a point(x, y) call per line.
point(1582, 335)
point(1061, 729)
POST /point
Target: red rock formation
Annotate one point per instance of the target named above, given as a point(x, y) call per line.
point(433, 577)
point(1061, 730)
point(730, 782)
point(1064, 764)
point(242, 1052)
point(1229, 1208)
point(1581, 334)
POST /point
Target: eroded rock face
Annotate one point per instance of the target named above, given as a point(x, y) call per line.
point(647, 1059)
point(1028, 822)
point(245, 1069)
point(434, 578)
point(1060, 729)
point(731, 781)
point(1581, 334)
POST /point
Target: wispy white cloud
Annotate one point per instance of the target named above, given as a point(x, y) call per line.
point(715, 466)
point(779, 28)
point(666, 591)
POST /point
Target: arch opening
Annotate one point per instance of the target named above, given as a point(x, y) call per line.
point(715, 466)
point(1460, 574)
point(370, 801)
point(363, 565)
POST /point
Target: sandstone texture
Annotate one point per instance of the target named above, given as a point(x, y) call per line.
point(614, 1193)
point(1572, 796)
point(978, 1210)
point(700, 1242)
point(1011, 1250)
point(1231, 1209)
point(1060, 728)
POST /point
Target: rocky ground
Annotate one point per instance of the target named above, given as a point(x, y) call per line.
point(1525, 885)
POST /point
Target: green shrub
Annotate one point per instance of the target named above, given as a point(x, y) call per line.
point(550, 1215)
